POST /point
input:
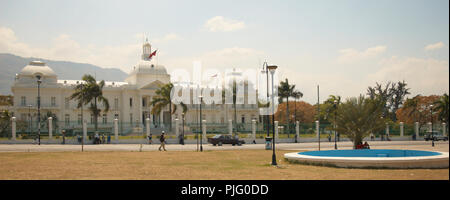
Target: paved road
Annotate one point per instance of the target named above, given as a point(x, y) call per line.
point(416, 145)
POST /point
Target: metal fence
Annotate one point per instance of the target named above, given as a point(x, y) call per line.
point(28, 130)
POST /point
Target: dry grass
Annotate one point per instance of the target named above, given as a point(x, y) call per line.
point(242, 164)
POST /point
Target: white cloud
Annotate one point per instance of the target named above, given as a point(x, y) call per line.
point(221, 24)
point(353, 55)
point(424, 76)
point(63, 47)
point(434, 46)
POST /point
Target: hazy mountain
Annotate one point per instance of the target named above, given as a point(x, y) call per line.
point(11, 65)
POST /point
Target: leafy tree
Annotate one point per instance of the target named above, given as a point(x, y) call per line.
point(417, 109)
point(358, 117)
point(441, 105)
point(399, 91)
point(91, 91)
point(383, 94)
point(392, 96)
point(5, 123)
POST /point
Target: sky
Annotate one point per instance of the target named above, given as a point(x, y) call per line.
point(342, 46)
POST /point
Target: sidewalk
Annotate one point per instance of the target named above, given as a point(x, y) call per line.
point(417, 145)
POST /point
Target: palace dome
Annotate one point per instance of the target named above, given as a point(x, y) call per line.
point(146, 66)
point(37, 67)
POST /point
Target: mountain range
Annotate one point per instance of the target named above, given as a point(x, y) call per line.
point(12, 64)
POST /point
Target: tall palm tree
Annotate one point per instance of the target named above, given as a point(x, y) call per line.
point(296, 95)
point(443, 108)
point(163, 99)
point(285, 91)
point(91, 92)
point(358, 117)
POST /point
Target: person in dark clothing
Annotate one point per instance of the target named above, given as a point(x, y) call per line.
point(162, 139)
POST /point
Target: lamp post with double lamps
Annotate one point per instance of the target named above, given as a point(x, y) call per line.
point(272, 69)
point(39, 81)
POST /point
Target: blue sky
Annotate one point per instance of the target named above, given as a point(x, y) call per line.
point(344, 46)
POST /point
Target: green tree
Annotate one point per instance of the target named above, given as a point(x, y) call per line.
point(358, 117)
point(443, 108)
point(91, 92)
point(5, 123)
point(399, 92)
point(383, 94)
point(162, 99)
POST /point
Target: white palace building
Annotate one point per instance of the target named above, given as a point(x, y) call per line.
point(129, 100)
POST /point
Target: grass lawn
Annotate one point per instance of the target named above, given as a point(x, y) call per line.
point(231, 164)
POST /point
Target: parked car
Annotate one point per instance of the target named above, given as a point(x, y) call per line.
point(225, 139)
point(436, 135)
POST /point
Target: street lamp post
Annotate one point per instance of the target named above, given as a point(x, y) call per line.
point(272, 69)
point(201, 127)
point(431, 116)
point(335, 132)
point(39, 81)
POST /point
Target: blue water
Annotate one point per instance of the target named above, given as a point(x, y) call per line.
point(370, 153)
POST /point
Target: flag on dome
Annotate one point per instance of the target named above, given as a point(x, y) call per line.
point(152, 54)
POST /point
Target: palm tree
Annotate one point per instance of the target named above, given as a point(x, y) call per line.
point(443, 108)
point(163, 99)
point(296, 95)
point(358, 117)
point(91, 92)
point(285, 91)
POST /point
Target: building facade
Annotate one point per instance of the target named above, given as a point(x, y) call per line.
point(129, 100)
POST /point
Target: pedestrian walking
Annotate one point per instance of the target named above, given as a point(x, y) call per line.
point(109, 139)
point(162, 139)
point(329, 137)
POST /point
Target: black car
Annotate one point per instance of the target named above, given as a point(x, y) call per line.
point(436, 136)
point(225, 139)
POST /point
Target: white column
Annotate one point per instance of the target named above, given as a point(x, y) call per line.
point(253, 129)
point(50, 128)
point(116, 130)
point(297, 129)
point(230, 126)
point(204, 131)
point(276, 130)
point(317, 129)
point(147, 125)
point(13, 128)
point(444, 126)
point(401, 129)
point(84, 131)
point(417, 129)
point(177, 130)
